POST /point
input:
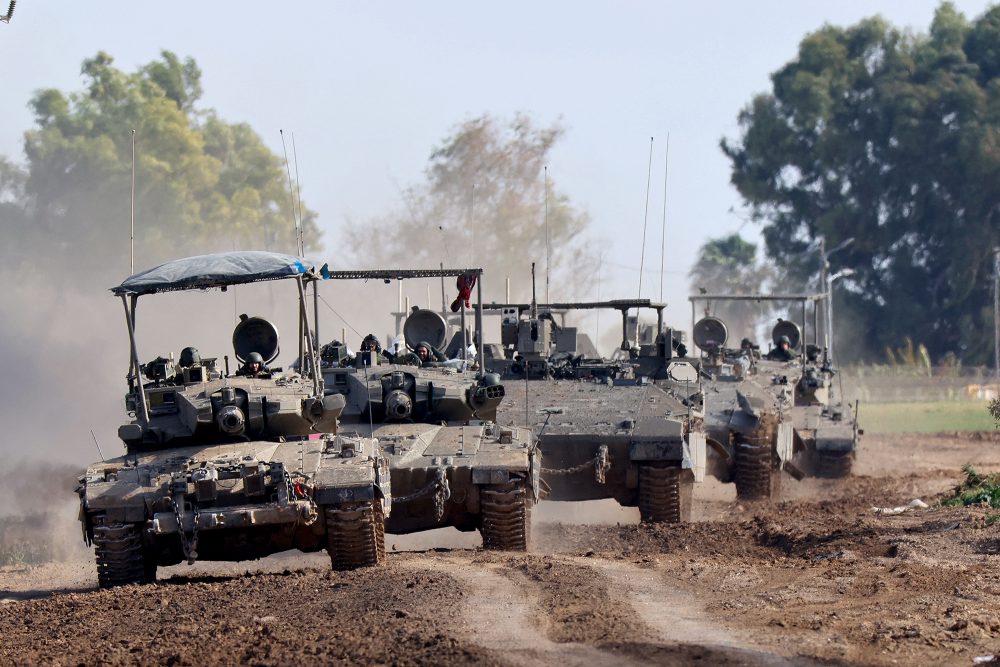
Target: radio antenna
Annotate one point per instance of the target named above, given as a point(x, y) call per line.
point(663, 232)
point(298, 196)
point(548, 244)
point(131, 225)
point(10, 12)
point(291, 191)
point(645, 216)
point(92, 430)
point(645, 219)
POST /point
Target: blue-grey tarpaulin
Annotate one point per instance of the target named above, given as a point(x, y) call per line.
point(215, 270)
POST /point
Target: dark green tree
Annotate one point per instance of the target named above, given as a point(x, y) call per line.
point(729, 265)
point(201, 183)
point(483, 203)
point(892, 139)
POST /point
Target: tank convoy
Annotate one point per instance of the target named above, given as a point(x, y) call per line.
point(773, 412)
point(236, 466)
point(628, 428)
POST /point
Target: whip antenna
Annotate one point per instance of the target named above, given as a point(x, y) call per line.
point(645, 219)
point(92, 430)
point(298, 196)
point(645, 216)
point(663, 232)
point(131, 227)
point(10, 12)
point(548, 244)
point(291, 191)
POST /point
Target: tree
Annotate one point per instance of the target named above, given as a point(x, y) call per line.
point(483, 203)
point(892, 139)
point(728, 265)
point(201, 183)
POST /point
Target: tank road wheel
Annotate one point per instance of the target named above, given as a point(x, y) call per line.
point(355, 535)
point(834, 466)
point(120, 557)
point(664, 496)
point(506, 517)
point(753, 469)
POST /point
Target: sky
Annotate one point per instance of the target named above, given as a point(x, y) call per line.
point(370, 88)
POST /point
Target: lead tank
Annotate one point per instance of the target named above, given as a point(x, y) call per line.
point(223, 466)
point(606, 427)
point(450, 463)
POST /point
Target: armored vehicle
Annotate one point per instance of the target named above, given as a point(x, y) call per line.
point(450, 463)
point(222, 466)
point(773, 412)
point(606, 428)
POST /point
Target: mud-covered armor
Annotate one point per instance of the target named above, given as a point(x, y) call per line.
point(607, 427)
point(234, 467)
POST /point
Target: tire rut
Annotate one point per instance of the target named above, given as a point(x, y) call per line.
point(500, 614)
point(675, 615)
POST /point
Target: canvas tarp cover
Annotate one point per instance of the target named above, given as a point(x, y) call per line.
point(215, 270)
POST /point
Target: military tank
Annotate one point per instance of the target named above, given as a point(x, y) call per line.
point(450, 463)
point(222, 466)
point(766, 413)
point(606, 428)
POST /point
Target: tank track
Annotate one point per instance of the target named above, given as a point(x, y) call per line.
point(355, 535)
point(834, 466)
point(506, 517)
point(663, 497)
point(753, 469)
point(120, 557)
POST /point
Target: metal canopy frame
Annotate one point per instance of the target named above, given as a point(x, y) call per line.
point(303, 276)
point(804, 299)
point(624, 305)
point(388, 275)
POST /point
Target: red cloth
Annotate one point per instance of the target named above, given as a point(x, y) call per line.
point(465, 283)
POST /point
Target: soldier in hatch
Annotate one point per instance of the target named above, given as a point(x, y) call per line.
point(783, 352)
point(371, 344)
point(425, 354)
point(254, 367)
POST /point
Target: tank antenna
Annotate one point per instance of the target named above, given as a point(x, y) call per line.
point(548, 244)
point(645, 220)
point(534, 301)
point(298, 196)
point(291, 190)
point(663, 232)
point(131, 227)
point(95, 439)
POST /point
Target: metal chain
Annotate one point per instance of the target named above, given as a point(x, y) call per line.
point(600, 463)
point(438, 485)
point(190, 549)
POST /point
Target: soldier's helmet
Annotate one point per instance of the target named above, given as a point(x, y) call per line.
point(190, 357)
point(784, 340)
point(255, 358)
point(370, 342)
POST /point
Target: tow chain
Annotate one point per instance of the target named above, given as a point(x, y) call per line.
point(189, 548)
point(601, 464)
point(439, 486)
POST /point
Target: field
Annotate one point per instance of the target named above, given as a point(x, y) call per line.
point(929, 417)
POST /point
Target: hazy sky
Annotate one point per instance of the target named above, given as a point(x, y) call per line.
point(369, 88)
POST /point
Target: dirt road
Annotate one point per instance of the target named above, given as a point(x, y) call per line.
point(817, 578)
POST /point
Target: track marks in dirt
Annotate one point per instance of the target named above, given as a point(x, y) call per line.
point(506, 612)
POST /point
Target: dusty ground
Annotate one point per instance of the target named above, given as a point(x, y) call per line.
point(817, 578)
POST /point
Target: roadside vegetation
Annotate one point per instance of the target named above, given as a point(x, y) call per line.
point(977, 489)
